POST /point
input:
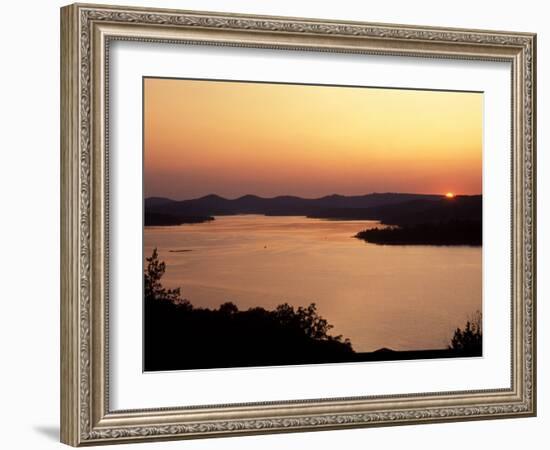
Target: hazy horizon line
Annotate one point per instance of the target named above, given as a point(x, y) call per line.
point(307, 198)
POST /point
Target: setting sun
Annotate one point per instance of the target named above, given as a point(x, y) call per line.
point(343, 136)
point(262, 192)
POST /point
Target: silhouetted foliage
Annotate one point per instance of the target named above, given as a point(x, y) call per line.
point(179, 336)
point(469, 340)
point(153, 289)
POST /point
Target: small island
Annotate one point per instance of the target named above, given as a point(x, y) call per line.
point(456, 232)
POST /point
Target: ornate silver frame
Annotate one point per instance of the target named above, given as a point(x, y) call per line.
point(86, 31)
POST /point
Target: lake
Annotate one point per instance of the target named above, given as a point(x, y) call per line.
point(399, 297)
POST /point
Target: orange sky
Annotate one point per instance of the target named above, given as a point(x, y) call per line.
point(237, 138)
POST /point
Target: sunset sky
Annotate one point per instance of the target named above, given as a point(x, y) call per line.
point(237, 138)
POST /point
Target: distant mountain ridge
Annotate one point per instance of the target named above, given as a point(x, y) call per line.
point(286, 205)
point(155, 201)
point(413, 212)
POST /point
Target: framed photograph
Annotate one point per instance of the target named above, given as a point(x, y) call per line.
point(275, 224)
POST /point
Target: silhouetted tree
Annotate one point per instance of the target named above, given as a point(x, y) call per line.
point(180, 336)
point(307, 320)
point(469, 340)
point(228, 308)
point(152, 287)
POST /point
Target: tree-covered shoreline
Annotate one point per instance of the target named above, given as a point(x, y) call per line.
point(160, 220)
point(456, 232)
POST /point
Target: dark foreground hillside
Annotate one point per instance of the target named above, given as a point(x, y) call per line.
point(184, 337)
point(178, 336)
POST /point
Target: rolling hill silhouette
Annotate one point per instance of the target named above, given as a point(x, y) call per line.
point(424, 210)
point(331, 206)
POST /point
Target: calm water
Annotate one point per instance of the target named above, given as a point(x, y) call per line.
point(400, 297)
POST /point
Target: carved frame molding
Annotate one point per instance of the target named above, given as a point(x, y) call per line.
point(86, 32)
